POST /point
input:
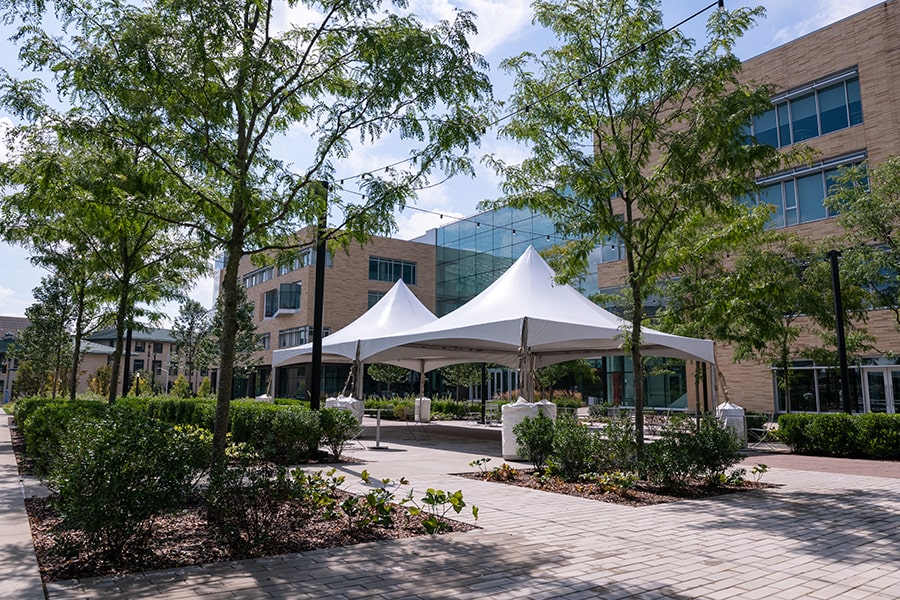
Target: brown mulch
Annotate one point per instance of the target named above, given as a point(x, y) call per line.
point(186, 538)
point(643, 493)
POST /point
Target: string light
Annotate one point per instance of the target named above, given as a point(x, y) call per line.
point(578, 82)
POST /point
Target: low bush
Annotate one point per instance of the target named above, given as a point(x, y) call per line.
point(44, 423)
point(576, 449)
point(248, 502)
point(116, 472)
point(338, 427)
point(686, 452)
point(618, 446)
point(534, 436)
point(879, 436)
point(870, 435)
point(281, 434)
point(183, 411)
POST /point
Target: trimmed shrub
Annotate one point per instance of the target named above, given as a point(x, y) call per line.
point(115, 473)
point(576, 449)
point(338, 427)
point(183, 411)
point(833, 435)
point(44, 424)
point(618, 447)
point(684, 452)
point(281, 434)
point(879, 435)
point(793, 431)
point(534, 435)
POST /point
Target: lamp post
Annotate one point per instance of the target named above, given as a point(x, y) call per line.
point(839, 322)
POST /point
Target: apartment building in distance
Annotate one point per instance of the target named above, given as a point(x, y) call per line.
point(354, 281)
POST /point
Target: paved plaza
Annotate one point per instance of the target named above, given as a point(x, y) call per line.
point(830, 529)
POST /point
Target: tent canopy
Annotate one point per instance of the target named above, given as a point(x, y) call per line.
point(525, 313)
point(398, 310)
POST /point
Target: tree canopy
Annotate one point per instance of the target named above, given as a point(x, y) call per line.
point(207, 86)
point(634, 132)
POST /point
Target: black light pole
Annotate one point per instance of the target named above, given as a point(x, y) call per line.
point(126, 374)
point(315, 379)
point(839, 321)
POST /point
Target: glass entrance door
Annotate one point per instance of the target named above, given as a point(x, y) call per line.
point(881, 390)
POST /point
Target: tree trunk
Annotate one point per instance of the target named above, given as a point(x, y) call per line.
point(227, 344)
point(117, 353)
point(76, 354)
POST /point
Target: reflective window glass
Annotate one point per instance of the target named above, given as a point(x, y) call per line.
point(804, 120)
point(765, 128)
point(854, 101)
point(790, 203)
point(811, 193)
point(771, 194)
point(833, 108)
point(784, 124)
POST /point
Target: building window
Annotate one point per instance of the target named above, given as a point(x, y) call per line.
point(799, 196)
point(140, 346)
point(306, 258)
point(389, 269)
point(265, 341)
point(138, 365)
point(297, 336)
point(157, 367)
point(815, 109)
point(374, 297)
point(259, 276)
point(285, 298)
point(289, 296)
point(157, 347)
point(271, 304)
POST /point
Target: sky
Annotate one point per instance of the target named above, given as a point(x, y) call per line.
point(505, 29)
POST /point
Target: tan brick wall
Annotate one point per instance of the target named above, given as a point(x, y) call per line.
point(869, 41)
point(347, 286)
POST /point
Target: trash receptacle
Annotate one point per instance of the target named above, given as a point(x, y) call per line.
point(423, 410)
point(732, 416)
point(513, 414)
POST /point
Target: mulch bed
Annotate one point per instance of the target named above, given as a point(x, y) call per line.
point(643, 493)
point(186, 538)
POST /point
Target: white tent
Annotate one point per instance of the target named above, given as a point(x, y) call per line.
point(399, 310)
point(527, 320)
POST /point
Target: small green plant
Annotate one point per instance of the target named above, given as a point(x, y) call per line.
point(435, 505)
point(758, 471)
point(181, 388)
point(480, 464)
point(205, 388)
point(534, 436)
point(614, 482)
point(502, 473)
point(338, 427)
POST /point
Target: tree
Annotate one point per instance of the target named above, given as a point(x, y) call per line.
point(190, 330)
point(461, 375)
point(46, 344)
point(75, 205)
point(247, 341)
point(387, 374)
point(574, 370)
point(867, 201)
point(761, 301)
point(206, 86)
point(633, 133)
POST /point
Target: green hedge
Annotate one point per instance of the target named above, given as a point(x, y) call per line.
point(871, 435)
point(44, 423)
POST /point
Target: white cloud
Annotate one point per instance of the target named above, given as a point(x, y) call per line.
point(498, 21)
point(819, 14)
point(12, 303)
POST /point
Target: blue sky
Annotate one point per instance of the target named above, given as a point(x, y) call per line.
point(505, 29)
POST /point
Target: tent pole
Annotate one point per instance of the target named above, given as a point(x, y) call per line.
point(526, 379)
point(421, 379)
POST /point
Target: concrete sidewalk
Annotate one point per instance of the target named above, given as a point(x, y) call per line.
point(819, 534)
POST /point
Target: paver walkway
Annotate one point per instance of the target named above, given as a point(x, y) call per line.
point(820, 534)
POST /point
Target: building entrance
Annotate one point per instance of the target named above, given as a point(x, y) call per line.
point(881, 390)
